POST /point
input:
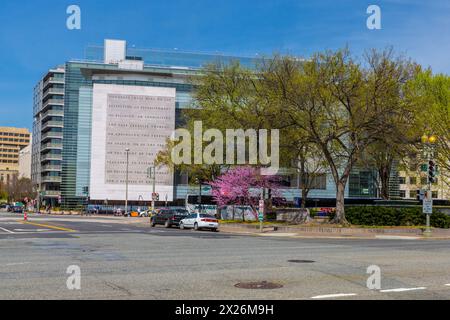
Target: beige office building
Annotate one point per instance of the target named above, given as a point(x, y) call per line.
point(12, 141)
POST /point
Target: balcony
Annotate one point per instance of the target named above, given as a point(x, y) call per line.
point(52, 134)
point(50, 146)
point(52, 113)
point(51, 102)
point(52, 124)
point(48, 157)
point(53, 80)
point(49, 168)
point(51, 179)
point(53, 91)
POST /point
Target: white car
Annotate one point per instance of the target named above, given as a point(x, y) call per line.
point(199, 221)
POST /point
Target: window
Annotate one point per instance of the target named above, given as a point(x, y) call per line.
point(317, 181)
point(402, 180)
point(412, 180)
point(413, 194)
point(434, 194)
point(402, 194)
point(423, 181)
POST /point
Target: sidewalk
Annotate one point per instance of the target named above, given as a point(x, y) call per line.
point(334, 232)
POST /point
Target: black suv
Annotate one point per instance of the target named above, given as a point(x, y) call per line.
point(169, 217)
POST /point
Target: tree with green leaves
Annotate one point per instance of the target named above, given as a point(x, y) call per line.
point(389, 78)
point(431, 93)
point(337, 104)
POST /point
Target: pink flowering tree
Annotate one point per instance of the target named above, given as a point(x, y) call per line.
point(243, 186)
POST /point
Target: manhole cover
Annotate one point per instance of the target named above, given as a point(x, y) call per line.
point(301, 261)
point(258, 285)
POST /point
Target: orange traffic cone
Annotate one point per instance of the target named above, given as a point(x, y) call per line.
point(25, 217)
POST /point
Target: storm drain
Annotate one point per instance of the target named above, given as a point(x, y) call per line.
point(258, 285)
point(301, 261)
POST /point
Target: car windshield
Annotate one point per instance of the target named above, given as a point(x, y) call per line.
point(181, 212)
point(206, 216)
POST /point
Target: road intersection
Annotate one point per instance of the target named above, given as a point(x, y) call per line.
point(123, 258)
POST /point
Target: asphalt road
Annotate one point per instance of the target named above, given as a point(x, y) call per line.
point(119, 259)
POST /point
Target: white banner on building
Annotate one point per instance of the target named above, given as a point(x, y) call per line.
point(140, 119)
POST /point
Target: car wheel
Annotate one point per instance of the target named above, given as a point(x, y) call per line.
point(167, 224)
point(181, 226)
point(215, 230)
point(196, 226)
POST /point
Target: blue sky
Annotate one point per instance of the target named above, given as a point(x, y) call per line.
point(34, 37)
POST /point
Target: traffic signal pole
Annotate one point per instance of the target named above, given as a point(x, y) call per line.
point(431, 172)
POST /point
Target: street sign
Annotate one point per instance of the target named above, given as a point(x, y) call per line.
point(261, 206)
point(155, 196)
point(428, 206)
point(428, 203)
point(422, 194)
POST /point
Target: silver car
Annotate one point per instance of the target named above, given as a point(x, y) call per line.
point(198, 221)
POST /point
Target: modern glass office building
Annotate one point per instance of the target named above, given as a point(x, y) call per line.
point(119, 99)
point(48, 123)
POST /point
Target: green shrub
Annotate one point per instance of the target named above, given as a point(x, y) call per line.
point(394, 216)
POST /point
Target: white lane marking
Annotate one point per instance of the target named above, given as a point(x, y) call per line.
point(403, 289)
point(32, 230)
point(447, 284)
point(386, 237)
point(6, 230)
point(15, 264)
point(336, 295)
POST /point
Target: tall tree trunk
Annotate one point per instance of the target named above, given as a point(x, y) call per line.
point(303, 181)
point(304, 197)
point(385, 173)
point(340, 204)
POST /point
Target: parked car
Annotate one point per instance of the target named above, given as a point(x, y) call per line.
point(199, 221)
point(168, 217)
point(279, 202)
point(17, 209)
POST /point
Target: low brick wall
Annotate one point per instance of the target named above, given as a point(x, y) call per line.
point(335, 231)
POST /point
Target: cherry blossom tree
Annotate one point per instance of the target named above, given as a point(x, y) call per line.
point(243, 186)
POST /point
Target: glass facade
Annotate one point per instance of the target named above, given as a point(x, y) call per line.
point(78, 118)
point(161, 69)
point(173, 58)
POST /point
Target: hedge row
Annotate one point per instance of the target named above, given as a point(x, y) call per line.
point(392, 216)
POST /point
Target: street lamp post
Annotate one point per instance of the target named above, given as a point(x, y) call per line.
point(151, 174)
point(429, 148)
point(127, 150)
point(200, 182)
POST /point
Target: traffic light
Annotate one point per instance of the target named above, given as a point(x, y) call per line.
point(431, 171)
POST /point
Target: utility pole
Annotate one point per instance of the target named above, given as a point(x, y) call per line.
point(199, 200)
point(151, 174)
point(127, 150)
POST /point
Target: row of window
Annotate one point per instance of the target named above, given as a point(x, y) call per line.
point(9, 161)
point(12, 134)
point(414, 180)
point(9, 155)
point(8, 150)
point(414, 194)
point(14, 140)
